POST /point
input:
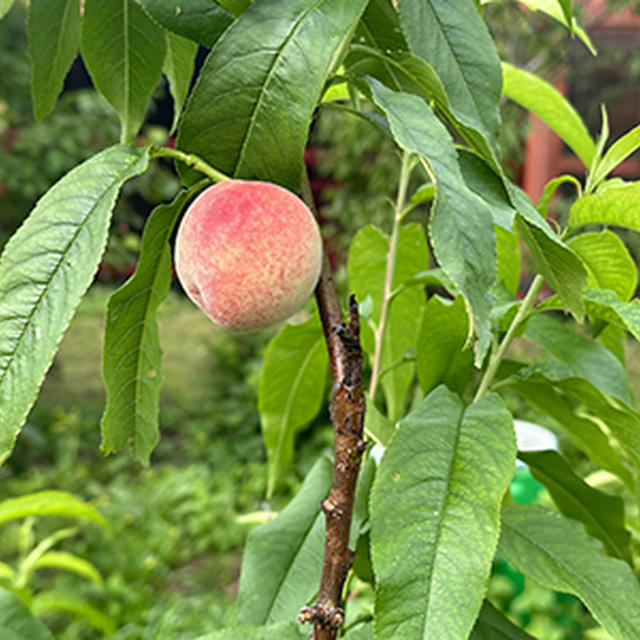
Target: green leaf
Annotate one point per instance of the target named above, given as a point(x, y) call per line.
point(5, 5)
point(559, 265)
point(584, 358)
point(508, 251)
point(559, 555)
point(131, 356)
point(601, 514)
point(455, 41)
point(123, 50)
point(360, 632)
point(619, 151)
point(561, 11)
point(54, 37)
point(550, 190)
point(69, 562)
point(48, 601)
point(367, 271)
point(606, 306)
point(608, 262)
point(435, 515)
point(461, 228)
point(541, 98)
point(291, 390)
point(439, 349)
point(615, 203)
point(492, 625)
point(49, 503)
point(45, 269)
point(272, 632)
point(283, 558)
point(376, 425)
point(202, 21)
point(621, 421)
point(178, 67)
point(17, 622)
point(584, 431)
point(276, 57)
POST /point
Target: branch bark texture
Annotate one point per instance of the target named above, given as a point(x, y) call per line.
point(347, 415)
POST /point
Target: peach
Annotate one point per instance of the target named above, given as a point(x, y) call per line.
point(248, 253)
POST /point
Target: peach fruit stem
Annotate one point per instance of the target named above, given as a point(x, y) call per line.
point(190, 160)
point(347, 409)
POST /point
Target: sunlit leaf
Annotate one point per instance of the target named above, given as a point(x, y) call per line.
point(615, 203)
point(435, 515)
point(45, 269)
point(178, 67)
point(541, 98)
point(276, 56)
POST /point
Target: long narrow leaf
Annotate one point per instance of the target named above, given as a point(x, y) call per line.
point(124, 51)
point(291, 390)
point(54, 38)
point(435, 508)
point(131, 361)
point(45, 270)
point(541, 98)
point(461, 228)
point(283, 557)
point(558, 554)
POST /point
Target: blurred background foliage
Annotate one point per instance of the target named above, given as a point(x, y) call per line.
point(172, 559)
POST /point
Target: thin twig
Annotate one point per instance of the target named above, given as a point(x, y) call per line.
point(347, 415)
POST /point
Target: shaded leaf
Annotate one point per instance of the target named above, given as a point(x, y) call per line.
point(584, 358)
point(508, 250)
point(435, 515)
point(54, 37)
point(376, 425)
point(48, 601)
point(202, 21)
point(283, 558)
point(69, 562)
point(291, 389)
point(541, 98)
point(178, 67)
point(284, 631)
point(45, 269)
point(17, 622)
point(123, 50)
point(608, 262)
point(49, 503)
point(584, 431)
point(559, 555)
point(360, 632)
point(276, 56)
point(601, 514)
point(622, 421)
point(559, 265)
point(493, 625)
point(131, 356)
point(439, 349)
point(606, 306)
point(453, 38)
point(461, 227)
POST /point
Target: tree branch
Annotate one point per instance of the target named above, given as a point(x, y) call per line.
point(347, 415)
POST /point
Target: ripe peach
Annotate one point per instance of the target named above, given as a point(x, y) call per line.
point(248, 253)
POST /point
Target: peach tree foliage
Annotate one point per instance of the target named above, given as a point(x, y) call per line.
point(432, 508)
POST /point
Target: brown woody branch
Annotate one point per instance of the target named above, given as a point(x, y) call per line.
point(347, 415)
